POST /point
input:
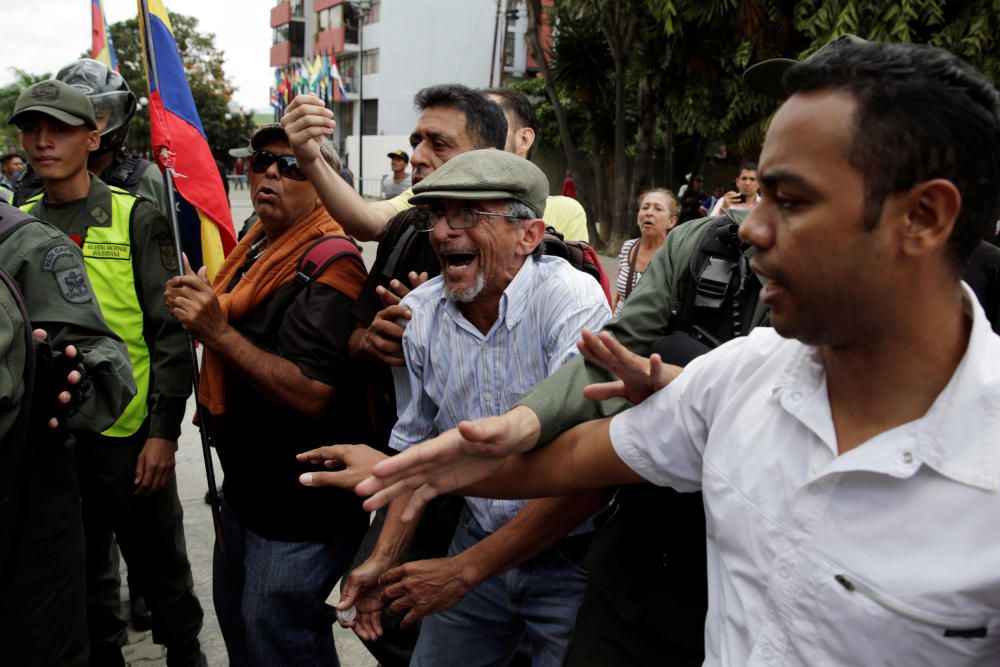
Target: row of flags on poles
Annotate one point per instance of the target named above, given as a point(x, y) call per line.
point(321, 78)
point(178, 138)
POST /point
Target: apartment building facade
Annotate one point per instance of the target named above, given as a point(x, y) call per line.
point(387, 50)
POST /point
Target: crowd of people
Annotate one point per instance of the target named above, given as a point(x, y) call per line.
point(775, 445)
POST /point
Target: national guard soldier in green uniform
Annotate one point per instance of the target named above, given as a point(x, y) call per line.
point(114, 106)
point(42, 589)
point(127, 471)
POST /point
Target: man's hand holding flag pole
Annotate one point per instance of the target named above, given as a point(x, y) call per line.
point(199, 210)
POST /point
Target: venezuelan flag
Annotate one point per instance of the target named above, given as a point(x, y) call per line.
point(102, 48)
point(206, 223)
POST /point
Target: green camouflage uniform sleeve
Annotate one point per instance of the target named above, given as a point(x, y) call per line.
point(558, 401)
point(156, 263)
point(50, 272)
point(12, 356)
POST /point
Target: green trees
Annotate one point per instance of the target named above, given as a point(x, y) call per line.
point(8, 96)
point(639, 92)
point(225, 126)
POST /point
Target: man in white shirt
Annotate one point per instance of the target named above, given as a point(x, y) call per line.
point(745, 196)
point(848, 458)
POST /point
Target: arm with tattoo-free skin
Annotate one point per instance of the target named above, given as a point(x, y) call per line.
point(429, 586)
point(168, 347)
point(193, 302)
point(579, 459)
point(362, 589)
point(306, 121)
point(431, 465)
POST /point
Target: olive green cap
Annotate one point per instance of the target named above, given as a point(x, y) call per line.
point(767, 76)
point(58, 100)
point(486, 175)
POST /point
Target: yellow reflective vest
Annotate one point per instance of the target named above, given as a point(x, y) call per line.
point(107, 254)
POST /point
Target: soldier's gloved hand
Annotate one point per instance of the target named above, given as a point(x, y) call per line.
point(61, 382)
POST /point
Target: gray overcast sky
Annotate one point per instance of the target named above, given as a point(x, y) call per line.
point(42, 35)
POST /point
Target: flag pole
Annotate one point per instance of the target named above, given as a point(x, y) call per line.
point(166, 159)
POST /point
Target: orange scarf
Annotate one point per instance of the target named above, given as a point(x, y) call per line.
point(275, 268)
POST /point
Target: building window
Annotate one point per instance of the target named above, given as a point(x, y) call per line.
point(508, 49)
point(369, 63)
point(369, 121)
point(298, 9)
point(348, 69)
point(331, 17)
point(374, 13)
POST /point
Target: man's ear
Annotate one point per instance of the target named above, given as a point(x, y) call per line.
point(525, 140)
point(93, 140)
point(534, 231)
point(930, 211)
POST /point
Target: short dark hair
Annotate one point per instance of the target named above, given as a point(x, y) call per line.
point(484, 120)
point(517, 104)
point(749, 166)
point(922, 113)
point(7, 157)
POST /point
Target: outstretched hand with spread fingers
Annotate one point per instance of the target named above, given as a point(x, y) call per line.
point(639, 377)
point(355, 461)
point(451, 461)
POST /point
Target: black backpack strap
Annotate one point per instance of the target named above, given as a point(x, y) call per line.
point(11, 220)
point(321, 254)
point(127, 173)
point(718, 273)
point(400, 250)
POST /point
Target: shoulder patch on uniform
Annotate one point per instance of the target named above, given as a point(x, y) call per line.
point(53, 256)
point(167, 253)
point(100, 215)
point(71, 277)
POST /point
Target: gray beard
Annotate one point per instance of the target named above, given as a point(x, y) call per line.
point(469, 294)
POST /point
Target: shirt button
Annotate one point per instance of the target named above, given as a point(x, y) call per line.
point(907, 458)
point(784, 572)
point(767, 653)
point(796, 396)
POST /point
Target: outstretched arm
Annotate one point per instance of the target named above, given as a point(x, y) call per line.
point(306, 121)
point(581, 458)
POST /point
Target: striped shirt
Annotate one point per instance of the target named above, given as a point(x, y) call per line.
point(454, 372)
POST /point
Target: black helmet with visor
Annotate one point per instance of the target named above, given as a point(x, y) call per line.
point(114, 103)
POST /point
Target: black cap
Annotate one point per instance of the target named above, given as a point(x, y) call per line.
point(766, 77)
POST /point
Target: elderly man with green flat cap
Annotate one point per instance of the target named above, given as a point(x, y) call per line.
point(499, 318)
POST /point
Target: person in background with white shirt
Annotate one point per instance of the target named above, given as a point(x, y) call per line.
point(745, 196)
point(848, 456)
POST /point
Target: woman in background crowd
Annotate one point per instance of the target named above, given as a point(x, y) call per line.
point(658, 212)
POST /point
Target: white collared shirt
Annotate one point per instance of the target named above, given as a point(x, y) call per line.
point(886, 555)
point(454, 371)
